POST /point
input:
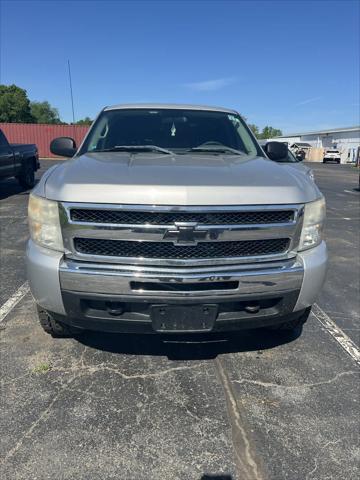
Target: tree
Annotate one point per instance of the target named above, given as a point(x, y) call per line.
point(84, 121)
point(14, 105)
point(254, 128)
point(270, 132)
point(43, 112)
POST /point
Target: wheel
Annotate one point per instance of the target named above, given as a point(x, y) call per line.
point(54, 327)
point(27, 175)
point(294, 324)
point(324, 161)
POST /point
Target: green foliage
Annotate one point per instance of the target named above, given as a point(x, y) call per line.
point(43, 112)
point(269, 132)
point(14, 105)
point(254, 128)
point(84, 121)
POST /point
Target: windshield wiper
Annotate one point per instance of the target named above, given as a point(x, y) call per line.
point(219, 149)
point(135, 148)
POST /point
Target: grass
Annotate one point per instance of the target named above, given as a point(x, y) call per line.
point(41, 368)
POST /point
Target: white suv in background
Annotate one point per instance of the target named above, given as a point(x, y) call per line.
point(331, 155)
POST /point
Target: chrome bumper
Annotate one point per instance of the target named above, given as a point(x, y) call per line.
point(50, 275)
point(235, 281)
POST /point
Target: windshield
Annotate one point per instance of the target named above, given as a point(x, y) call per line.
point(176, 130)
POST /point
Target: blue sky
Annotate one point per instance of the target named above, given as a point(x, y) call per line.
point(291, 64)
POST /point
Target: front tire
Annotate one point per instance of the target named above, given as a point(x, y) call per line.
point(295, 324)
point(27, 176)
point(54, 327)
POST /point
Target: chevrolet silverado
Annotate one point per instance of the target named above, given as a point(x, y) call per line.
point(173, 219)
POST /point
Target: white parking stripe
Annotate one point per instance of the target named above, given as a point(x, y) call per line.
point(347, 344)
point(13, 300)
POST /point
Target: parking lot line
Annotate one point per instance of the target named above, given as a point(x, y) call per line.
point(347, 344)
point(13, 300)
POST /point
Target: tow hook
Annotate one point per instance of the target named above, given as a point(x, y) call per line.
point(114, 308)
point(252, 308)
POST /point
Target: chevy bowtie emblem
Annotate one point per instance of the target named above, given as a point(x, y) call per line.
point(185, 235)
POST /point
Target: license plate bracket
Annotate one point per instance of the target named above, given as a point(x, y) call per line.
point(183, 318)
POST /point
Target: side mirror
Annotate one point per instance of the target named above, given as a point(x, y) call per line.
point(63, 146)
point(276, 150)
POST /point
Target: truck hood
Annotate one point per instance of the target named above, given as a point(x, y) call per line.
point(298, 166)
point(188, 179)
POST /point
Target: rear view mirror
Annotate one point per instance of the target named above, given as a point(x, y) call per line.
point(276, 150)
point(63, 146)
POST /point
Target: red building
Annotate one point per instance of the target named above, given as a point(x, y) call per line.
point(42, 134)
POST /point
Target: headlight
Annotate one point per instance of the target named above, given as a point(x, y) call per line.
point(44, 223)
point(314, 218)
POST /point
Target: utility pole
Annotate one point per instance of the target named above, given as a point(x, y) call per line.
point(71, 93)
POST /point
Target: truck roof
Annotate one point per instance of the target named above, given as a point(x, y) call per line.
point(170, 106)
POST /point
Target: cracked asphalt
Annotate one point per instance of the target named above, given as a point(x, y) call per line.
point(250, 406)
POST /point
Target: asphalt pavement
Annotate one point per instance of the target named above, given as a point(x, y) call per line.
point(250, 406)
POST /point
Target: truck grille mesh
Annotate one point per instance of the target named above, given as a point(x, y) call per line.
point(169, 218)
point(167, 250)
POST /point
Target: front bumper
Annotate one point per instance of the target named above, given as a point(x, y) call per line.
point(84, 294)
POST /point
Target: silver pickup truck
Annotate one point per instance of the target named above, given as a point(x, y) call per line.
point(172, 219)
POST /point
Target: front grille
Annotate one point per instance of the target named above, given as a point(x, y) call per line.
point(167, 250)
point(169, 218)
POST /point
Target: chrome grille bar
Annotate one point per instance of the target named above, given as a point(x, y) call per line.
point(105, 216)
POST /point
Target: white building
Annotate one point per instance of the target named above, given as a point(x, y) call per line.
point(347, 140)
